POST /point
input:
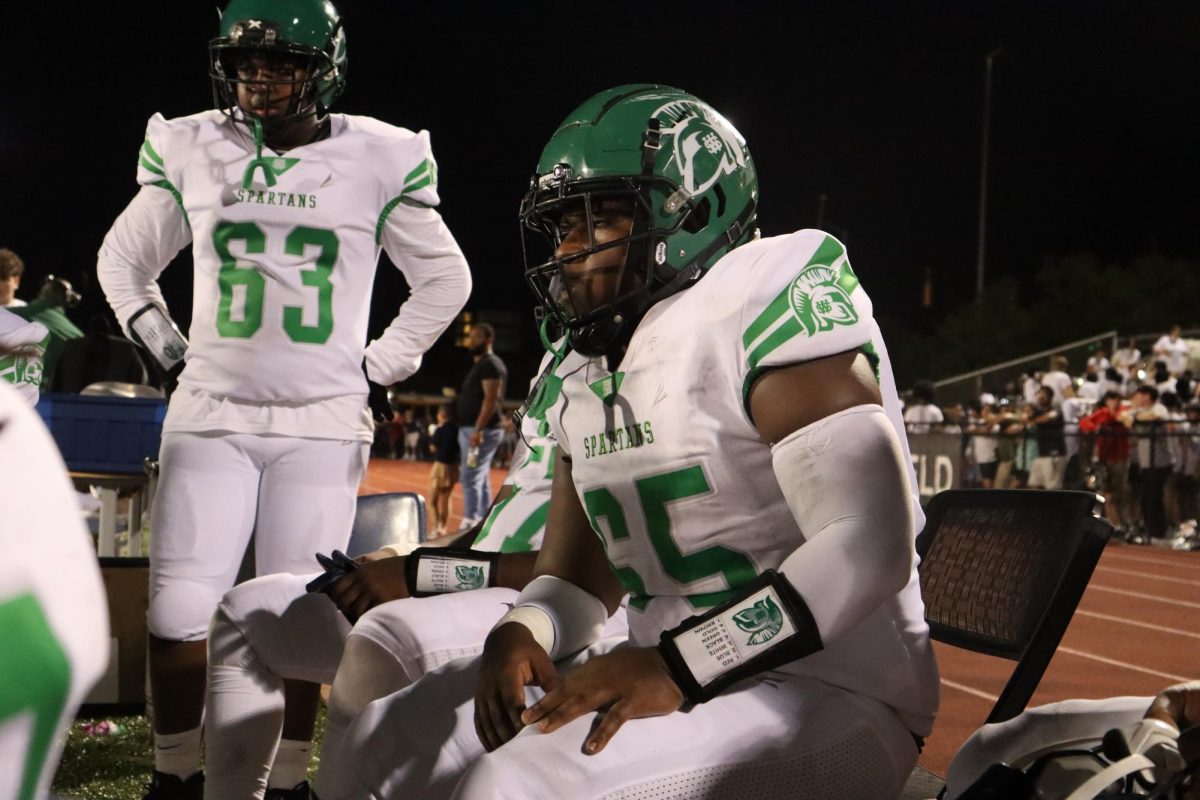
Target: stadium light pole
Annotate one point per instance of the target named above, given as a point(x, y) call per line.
point(983, 172)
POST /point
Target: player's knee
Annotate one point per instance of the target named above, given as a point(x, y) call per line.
point(491, 776)
point(367, 672)
point(182, 612)
point(227, 646)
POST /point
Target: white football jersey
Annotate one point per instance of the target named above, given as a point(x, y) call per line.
point(517, 523)
point(285, 259)
point(284, 248)
point(23, 346)
point(680, 485)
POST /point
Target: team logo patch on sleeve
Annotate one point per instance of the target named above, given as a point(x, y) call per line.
point(468, 577)
point(762, 621)
point(819, 301)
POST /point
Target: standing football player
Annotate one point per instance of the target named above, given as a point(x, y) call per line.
point(732, 455)
point(286, 207)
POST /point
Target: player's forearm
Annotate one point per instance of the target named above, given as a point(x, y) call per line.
point(514, 570)
point(142, 241)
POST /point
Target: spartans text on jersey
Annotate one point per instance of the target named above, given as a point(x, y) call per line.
point(618, 439)
point(262, 197)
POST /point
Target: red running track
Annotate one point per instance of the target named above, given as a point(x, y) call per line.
point(1136, 630)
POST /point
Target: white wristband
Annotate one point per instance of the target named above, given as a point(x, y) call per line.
point(537, 621)
point(578, 616)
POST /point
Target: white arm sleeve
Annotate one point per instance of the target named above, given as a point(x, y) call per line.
point(143, 240)
point(563, 618)
point(845, 481)
point(422, 247)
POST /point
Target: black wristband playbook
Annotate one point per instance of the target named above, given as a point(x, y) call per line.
point(438, 570)
point(767, 625)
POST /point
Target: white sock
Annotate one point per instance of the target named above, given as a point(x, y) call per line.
point(291, 764)
point(244, 715)
point(366, 672)
point(178, 753)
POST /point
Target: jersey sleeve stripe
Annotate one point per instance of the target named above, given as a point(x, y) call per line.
point(828, 252)
point(149, 152)
point(789, 328)
point(166, 184)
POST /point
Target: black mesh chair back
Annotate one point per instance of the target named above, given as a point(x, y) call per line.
point(382, 519)
point(1002, 571)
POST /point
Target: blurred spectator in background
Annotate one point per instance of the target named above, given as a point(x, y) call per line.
point(1110, 429)
point(1045, 418)
point(11, 268)
point(1126, 358)
point(444, 472)
point(479, 421)
point(412, 436)
point(55, 295)
point(1058, 380)
point(1162, 378)
point(1176, 433)
point(984, 442)
point(1185, 386)
point(1173, 350)
point(1113, 381)
point(922, 412)
point(1189, 469)
point(1029, 386)
point(1149, 418)
point(1090, 390)
point(1098, 362)
point(1000, 417)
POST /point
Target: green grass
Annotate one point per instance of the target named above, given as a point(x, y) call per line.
point(118, 766)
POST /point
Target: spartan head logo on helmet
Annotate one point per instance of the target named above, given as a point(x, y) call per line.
point(819, 302)
point(704, 145)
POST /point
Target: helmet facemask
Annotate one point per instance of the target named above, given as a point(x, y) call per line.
point(229, 57)
point(600, 309)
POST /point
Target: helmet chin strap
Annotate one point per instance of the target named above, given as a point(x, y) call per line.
point(610, 336)
point(258, 161)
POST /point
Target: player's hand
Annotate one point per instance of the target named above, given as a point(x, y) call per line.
point(372, 584)
point(374, 555)
point(512, 659)
point(377, 399)
point(627, 683)
point(476, 437)
point(1179, 707)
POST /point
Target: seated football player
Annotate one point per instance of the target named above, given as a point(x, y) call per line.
point(271, 629)
point(731, 455)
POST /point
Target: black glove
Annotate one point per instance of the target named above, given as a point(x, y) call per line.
point(377, 398)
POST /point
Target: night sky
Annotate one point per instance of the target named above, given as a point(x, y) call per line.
point(876, 106)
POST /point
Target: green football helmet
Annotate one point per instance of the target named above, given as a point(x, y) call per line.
point(691, 183)
point(309, 32)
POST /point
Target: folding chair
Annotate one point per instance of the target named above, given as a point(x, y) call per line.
point(381, 519)
point(1002, 571)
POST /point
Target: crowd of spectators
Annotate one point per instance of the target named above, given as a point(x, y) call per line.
point(1127, 427)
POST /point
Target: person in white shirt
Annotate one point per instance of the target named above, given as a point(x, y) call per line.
point(1125, 359)
point(1058, 380)
point(1173, 350)
point(922, 413)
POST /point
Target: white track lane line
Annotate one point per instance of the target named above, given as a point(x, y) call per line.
point(1123, 664)
point(1150, 575)
point(991, 698)
point(1141, 596)
point(1190, 561)
point(1148, 625)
